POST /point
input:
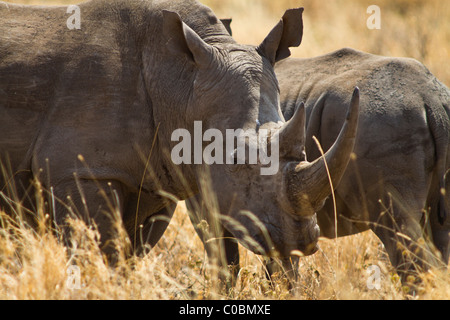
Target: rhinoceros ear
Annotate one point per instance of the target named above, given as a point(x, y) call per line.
point(287, 33)
point(183, 40)
point(227, 24)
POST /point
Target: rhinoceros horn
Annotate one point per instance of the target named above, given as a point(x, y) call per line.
point(307, 183)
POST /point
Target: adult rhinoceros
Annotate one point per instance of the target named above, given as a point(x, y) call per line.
point(90, 113)
point(396, 184)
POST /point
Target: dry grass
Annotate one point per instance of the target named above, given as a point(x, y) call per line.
point(33, 265)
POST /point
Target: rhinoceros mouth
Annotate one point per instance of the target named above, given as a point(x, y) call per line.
point(307, 243)
point(277, 243)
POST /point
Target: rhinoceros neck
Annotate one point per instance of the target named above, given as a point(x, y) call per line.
point(169, 87)
point(85, 91)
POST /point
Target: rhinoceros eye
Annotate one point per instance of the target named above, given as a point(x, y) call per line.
point(233, 160)
point(234, 157)
point(303, 155)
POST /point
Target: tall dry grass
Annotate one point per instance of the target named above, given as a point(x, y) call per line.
point(35, 265)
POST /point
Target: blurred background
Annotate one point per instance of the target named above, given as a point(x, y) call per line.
point(409, 28)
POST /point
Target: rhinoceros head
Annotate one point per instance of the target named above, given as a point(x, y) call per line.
point(256, 169)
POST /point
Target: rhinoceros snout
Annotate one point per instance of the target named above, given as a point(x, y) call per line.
point(301, 238)
point(313, 240)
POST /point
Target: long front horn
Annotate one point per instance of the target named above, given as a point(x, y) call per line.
point(307, 183)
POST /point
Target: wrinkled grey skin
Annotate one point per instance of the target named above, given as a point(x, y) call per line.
point(402, 149)
point(115, 90)
point(401, 153)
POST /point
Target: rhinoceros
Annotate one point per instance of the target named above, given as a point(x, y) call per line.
point(88, 115)
point(395, 185)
